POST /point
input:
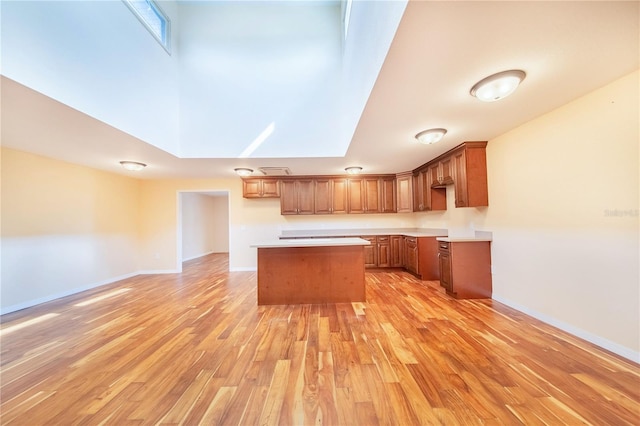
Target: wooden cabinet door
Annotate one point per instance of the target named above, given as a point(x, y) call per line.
point(297, 197)
point(270, 188)
point(371, 189)
point(404, 193)
point(304, 188)
point(260, 188)
point(384, 252)
point(470, 175)
point(411, 250)
point(323, 193)
point(419, 182)
point(446, 281)
point(251, 188)
point(388, 195)
point(370, 253)
point(339, 196)
point(435, 197)
point(434, 175)
point(288, 197)
point(355, 195)
point(446, 170)
point(330, 196)
point(460, 182)
point(396, 251)
point(442, 172)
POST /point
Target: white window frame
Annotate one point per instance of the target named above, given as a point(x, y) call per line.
point(165, 38)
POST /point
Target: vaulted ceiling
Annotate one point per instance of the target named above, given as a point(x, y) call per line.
point(241, 68)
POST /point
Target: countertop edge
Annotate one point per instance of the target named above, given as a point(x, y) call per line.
point(464, 240)
point(341, 233)
point(311, 242)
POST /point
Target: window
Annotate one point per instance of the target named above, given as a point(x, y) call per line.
point(152, 17)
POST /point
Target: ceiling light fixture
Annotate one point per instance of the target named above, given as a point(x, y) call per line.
point(133, 165)
point(243, 171)
point(430, 136)
point(497, 86)
point(354, 170)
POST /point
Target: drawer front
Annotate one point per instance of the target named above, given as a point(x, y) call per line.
point(443, 246)
point(384, 239)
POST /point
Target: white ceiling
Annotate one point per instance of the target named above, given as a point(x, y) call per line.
point(439, 51)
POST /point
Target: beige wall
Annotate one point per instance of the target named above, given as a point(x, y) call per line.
point(560, 251)
point(65, 228)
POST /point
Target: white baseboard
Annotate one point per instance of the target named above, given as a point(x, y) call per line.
point(197, 256)
point(49, 298)
point(616, 348)
point(159, 271)
point(243, 269)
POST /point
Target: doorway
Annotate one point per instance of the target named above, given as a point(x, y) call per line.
point(203, 224)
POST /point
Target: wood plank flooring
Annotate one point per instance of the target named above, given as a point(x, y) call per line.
point(194, 348)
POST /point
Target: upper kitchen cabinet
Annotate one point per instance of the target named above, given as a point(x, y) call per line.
point(425, 196)
point(465, 167)
point(330, 195)
point(470, 175)
point(442, 172)
point(261, 188)
point(404, 192)
point(297, 196)
point(372, 194)
point(388, 194)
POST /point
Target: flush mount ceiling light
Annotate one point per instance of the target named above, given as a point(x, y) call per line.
point(354, 170)
point(430, 136)
point(497, 86)
point(133, 165)
point(243, 171)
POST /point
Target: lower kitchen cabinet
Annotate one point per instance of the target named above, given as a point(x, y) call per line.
point(397, 247)
point(428, 269)
point(378, 253)
point(421, 257)
point(411, 254)
point(465, 268)
point(384, 251)
point(370, 253)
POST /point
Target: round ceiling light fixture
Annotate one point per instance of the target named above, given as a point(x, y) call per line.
point(353, 170)
point(243, 171)
point(430, 136)
point(134, 166)
point(497, 86)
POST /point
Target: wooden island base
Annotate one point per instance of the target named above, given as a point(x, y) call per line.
point(301, 275)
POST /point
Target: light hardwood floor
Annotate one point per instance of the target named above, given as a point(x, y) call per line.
point(194, 348)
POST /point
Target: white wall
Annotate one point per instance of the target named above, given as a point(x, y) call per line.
point(563, 209)
point(96, 57)
point(205, 224)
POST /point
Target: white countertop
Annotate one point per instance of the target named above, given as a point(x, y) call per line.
point(410, 232)
point(463, 240)
point(312, 242)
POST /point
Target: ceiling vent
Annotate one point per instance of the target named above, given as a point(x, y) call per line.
point(275, 171)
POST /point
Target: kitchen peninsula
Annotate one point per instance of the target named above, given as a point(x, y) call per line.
point(318, 270)
point(413, 249)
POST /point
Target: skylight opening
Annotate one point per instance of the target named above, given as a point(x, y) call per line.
point(154, 19)
point(346, 16)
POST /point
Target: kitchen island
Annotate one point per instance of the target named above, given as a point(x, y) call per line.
point(319, 270)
